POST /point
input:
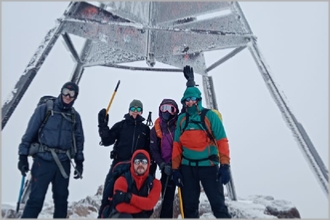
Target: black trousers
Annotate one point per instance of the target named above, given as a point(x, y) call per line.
point(168, 197)
point(42, 173)
point(213, 188)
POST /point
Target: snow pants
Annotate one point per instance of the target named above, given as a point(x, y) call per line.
point(192, 176)
point(42, 173)
point(168, 197)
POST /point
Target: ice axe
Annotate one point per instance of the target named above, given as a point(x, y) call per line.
point(181, 202)
point(112, 97)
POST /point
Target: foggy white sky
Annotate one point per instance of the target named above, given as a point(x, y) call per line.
point(293, 38)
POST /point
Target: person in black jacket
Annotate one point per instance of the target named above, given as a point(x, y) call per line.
point(51, 163)
point(127, 136)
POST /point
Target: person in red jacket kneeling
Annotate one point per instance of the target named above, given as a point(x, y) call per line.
point(136, 195)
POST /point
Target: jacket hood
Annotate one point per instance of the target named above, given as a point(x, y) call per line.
point(139, 180)
point(170, 102)
point(59, 102)
point(191, 92)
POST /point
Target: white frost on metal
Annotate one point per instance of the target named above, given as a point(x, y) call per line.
point(11, 96)
point(288, 118)
point(37, 55)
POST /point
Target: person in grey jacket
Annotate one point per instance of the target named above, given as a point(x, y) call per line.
point(51, 163)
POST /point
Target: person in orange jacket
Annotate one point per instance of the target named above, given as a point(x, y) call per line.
point(136, 193)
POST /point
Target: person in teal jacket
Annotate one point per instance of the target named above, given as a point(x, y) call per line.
point(196, 157)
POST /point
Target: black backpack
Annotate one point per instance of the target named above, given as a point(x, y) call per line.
point(49, 101)
point(122, 169)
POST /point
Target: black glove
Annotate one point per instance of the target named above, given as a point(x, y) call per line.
point(177, 178)
point(166, 168)
point(23, 164)
point(188, 72)
point(79, 168)
point(120, 197)
point(189, 75)
point(103, 118)
point(224, 174)
point(162, 165)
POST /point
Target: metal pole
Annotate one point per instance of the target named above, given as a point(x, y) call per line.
point(305, 144)
point(211, 102)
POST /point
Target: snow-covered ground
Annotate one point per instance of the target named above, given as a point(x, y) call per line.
point(256, 206)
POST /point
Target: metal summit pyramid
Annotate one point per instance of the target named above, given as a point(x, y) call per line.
point(174, 33)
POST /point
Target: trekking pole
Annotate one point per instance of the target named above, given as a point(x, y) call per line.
point(166, 183)
point(149, 120)
point(113, 95)
point(163, 195)
point(20, 194)
point(181, 204)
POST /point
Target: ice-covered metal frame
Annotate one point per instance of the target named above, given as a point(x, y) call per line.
point(174, 33)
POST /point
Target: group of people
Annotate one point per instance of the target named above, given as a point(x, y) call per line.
point(177, 143)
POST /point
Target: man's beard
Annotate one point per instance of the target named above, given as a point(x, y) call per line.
point(142, 170)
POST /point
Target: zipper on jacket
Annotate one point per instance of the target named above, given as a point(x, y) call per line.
point(169, 131)
point(59, 136)
point(133, 138)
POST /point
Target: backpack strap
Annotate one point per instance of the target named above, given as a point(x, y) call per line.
point(49, 111)
point(150, 182)
point(129, 180)
point(74, 127)
point(204, 127)
point(202, 121)
point(158, 129)
point(42, 148)
point(186, 119)
point(207, 128)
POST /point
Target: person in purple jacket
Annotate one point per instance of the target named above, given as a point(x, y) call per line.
point(161, 145)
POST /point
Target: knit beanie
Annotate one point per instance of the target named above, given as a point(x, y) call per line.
point(141, 156)
point(137, 103)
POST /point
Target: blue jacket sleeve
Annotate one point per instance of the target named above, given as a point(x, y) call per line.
point(154, 147)
point(80, 139)
point(31, 133)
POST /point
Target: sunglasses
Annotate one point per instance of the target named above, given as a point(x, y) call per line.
point(143, 161)
point(66, 91)
point(191, 98)
point(167, 108)
point(133, 109)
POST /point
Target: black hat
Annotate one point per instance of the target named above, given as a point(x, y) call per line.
point(141, 156)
